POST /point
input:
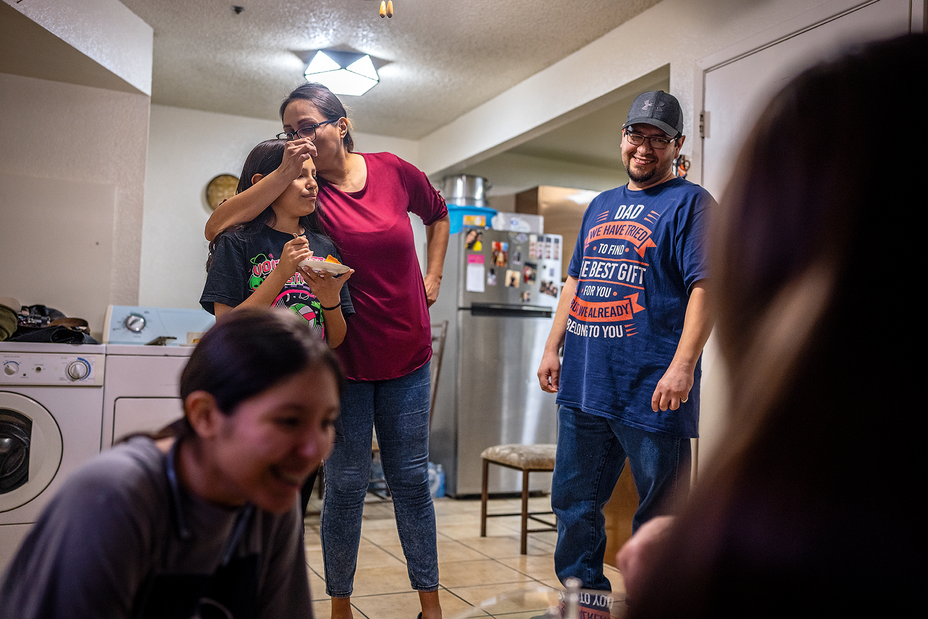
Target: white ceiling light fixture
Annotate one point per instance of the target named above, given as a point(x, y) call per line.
point(344, 73)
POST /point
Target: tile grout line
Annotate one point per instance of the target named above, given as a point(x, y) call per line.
point(451, 513)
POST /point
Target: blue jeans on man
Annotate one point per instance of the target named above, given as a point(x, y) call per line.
point(591, 453)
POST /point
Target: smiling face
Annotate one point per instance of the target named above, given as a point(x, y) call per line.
point(645, 165)
point(301, 113)
point(266, 449)
point(299, 198)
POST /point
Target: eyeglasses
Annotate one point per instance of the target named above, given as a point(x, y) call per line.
point(307, 132)
point(657, 143)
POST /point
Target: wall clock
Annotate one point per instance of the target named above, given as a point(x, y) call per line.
point(220, 188)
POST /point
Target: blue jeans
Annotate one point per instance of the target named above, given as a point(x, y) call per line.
point(591, 454)
point(399, 408)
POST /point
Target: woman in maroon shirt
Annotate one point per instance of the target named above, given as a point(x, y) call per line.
point(364, 204)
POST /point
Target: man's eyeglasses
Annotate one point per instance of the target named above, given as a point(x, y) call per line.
point(307, 132)
point(657, 143)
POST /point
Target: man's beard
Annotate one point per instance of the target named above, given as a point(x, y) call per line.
point(642, 177)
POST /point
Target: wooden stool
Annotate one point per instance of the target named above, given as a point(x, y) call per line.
point(525, 458)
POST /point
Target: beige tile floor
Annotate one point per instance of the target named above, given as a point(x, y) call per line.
point(472, 568)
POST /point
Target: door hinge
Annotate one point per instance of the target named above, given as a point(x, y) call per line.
point(704, 124)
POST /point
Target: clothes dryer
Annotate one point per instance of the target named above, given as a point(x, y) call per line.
point(51, 410)
point(147, 349)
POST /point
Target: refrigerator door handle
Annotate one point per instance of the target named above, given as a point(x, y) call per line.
point(496, 309)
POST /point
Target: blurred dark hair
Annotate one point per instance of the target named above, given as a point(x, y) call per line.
point(325, 101)
point(263, 159)
point(246, 352)
point(810, 506)
point(249, 351)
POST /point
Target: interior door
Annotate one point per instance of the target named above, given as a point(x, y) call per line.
point(736, 92)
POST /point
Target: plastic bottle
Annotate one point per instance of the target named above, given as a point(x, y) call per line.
point(572, 599)
point(436, 480)
point(440, 492)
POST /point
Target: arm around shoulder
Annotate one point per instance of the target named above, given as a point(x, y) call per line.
point(240, 208)
point(248, 204)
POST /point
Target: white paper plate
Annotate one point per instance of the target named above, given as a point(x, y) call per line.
point(322, 265)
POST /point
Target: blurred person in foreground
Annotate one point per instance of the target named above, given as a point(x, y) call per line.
point(810, 507)
point(202, 519)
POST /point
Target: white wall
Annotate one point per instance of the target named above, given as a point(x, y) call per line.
point(186, 148)
point(68, 138)
point(104, 31)
point(72, 155)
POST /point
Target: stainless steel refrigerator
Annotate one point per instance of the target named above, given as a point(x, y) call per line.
point(499, 294)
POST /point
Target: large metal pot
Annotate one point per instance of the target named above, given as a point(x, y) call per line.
point(465, 190)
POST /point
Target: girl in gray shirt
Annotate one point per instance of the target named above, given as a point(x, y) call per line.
point(202, 520)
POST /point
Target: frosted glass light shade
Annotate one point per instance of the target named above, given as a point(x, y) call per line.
point(344, 73)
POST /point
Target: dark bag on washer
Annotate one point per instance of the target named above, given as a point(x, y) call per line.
point(38, 323)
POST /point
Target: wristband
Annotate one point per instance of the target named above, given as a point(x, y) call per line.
point(334, 307)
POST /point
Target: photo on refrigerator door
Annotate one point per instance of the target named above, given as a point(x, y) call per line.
point(474, 240)
point(500, 253)
point(548, 288)
point(529, 272)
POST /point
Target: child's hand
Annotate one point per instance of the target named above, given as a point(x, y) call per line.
point(294, 252)
point(295, 153)
point(325, 285)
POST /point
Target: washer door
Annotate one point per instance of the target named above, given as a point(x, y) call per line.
point(30, 449)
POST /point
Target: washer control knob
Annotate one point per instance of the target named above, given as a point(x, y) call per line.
point(10, 368)
point(78, 370)
point(134, 323)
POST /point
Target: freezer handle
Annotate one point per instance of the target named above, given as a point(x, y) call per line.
point(499, 309)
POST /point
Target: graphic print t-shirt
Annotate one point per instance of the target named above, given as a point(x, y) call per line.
point(242, 262)
point(637, 256)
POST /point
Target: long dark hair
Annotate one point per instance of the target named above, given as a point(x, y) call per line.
point(819, 468)
point(263, 159)
point(325, 101)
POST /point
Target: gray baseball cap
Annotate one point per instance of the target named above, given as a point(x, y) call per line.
point(659, 109)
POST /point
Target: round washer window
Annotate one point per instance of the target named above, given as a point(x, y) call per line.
point(30, 449)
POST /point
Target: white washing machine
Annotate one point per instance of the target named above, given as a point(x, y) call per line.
point(146, 351)
point(51, 411)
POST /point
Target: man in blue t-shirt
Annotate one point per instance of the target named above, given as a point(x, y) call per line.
point(633, 319)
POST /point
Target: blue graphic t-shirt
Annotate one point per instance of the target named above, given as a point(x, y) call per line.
point(637, 256)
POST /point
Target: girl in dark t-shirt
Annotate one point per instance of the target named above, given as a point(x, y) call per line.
point(258, 264)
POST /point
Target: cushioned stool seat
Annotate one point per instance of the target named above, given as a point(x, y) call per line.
point(525, 458)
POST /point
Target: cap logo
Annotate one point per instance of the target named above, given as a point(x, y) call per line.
point(659, 109)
